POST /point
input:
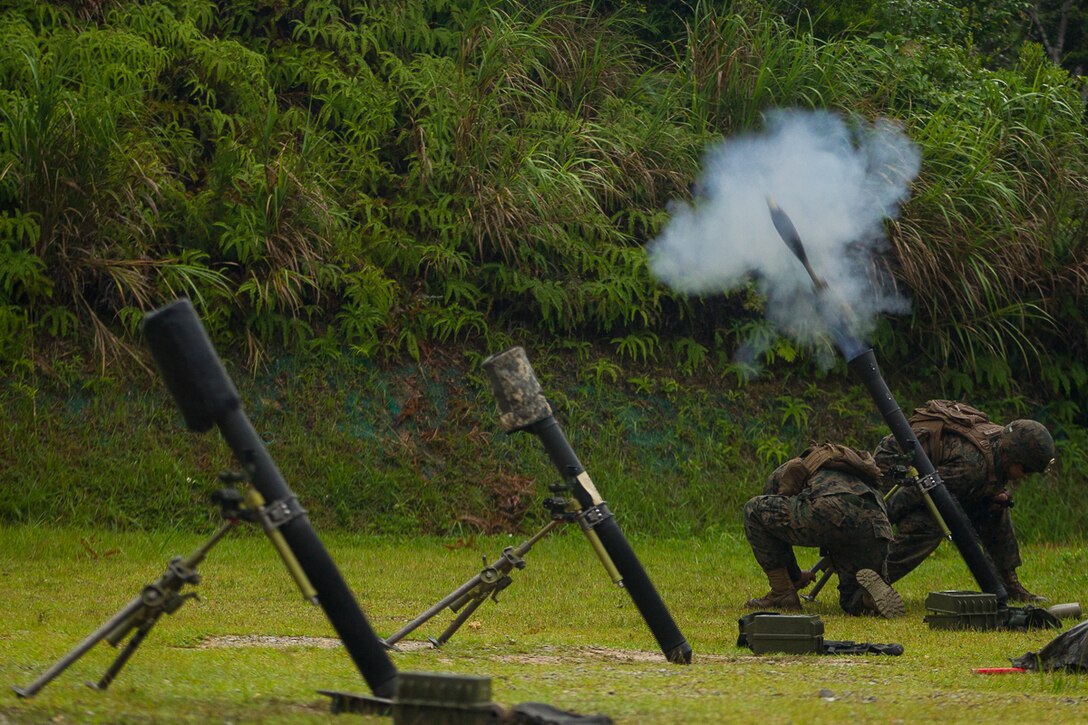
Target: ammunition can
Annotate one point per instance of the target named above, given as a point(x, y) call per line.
point(962, 610)
point(788, 633)
point(435, 698)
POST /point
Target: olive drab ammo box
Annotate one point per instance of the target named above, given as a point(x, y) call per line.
point(436, 698)
point(962, 610)
point(765, 632)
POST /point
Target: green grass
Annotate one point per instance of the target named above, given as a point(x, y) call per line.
point(560, 634)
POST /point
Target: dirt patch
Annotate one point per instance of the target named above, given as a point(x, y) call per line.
point(564, 655)
point(267, 640)
point(413, 645)
point(278, 642)
point(546, 655)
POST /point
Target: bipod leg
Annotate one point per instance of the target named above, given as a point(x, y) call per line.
point(139, 614)
point(126, 653)
point(936, 514)
point(461, 618)
point(824, 577)
point(460, 593)
point(79, 650)
point(432, 611)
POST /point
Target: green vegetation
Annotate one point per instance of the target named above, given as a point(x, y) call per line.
point(418, 449)
point(364, 198)
point(560, 634)
point(377, 178)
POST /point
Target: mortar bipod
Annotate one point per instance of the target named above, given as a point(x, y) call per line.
point(141, 614)
point(164, 596)
point(467, 598)
point(495, 577)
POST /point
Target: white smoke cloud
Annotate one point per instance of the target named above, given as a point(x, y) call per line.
point(837, 181)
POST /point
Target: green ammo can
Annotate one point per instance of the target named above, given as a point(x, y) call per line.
point(438, 698)
point(961, 610)
point(789, 633)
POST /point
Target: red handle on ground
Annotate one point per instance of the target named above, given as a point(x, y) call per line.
point(999, 670)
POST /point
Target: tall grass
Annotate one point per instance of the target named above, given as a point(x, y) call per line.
point(381, 178)
point(991, 229)
point(393, 182)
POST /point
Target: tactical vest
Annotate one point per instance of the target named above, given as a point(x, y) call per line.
point(936, 416)
point(795, 473)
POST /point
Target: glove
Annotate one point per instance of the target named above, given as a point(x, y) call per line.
point(806, 578)
point(1000, 502)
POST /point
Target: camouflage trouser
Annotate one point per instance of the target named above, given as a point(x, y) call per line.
point(849, 528)
point(918, 535)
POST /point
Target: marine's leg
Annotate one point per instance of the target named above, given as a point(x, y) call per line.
point(879, 597)
point(773, 525)
point(916, 538)
point(996, 533)
point(858, 550)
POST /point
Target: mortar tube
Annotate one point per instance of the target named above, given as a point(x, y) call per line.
point(205, 393)
point(965, 538)
point(340, 606)
point(635, 579)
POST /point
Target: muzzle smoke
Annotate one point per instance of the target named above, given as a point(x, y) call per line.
point(838, 182)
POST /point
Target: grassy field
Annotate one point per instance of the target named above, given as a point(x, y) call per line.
point(251, 651)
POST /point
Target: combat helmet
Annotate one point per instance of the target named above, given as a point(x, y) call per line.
point(1028, 443)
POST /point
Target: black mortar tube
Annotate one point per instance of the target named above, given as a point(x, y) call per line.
point(863, 362)
point(964, 536)
point(206, 396)
point(522, 406)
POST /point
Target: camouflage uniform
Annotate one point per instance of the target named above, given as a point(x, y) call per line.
point(982, 492)
point(837, 512)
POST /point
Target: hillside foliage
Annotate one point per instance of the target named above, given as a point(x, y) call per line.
point(379, 175)
point(371, 179)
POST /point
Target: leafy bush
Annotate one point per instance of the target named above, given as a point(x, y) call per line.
point(384, 177)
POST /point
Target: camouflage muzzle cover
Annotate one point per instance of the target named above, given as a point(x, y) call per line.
point(517, 392)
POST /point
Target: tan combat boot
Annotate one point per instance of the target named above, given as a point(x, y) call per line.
point(781, 596)
point(880, 595)
point(1016, 590)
